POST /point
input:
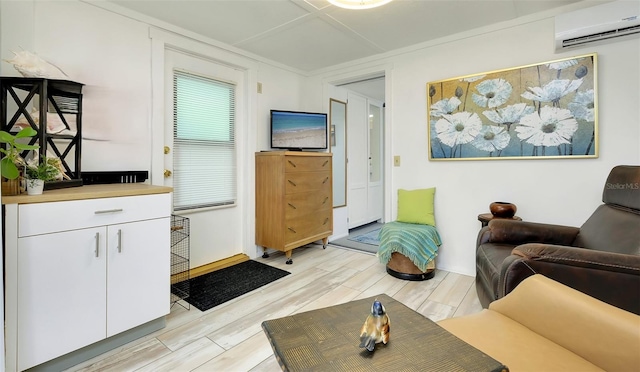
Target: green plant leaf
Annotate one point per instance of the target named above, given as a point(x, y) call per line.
point(8, 169)
point(24, 146)
point(26, 132)
point(6, 137)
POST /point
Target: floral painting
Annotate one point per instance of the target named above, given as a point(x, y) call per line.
point(546, 110)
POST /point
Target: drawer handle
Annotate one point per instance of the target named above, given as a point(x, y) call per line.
point(325, 221)
point(293, 183)
point(325, 162)
point(325, 180)
point(97, 250)
point(325, 199)
point(292, 206)
point(104, 211)
point(292, 164)
point(295, 232)
point(119, 240)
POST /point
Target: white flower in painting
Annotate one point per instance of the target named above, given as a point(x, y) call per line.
point(509, 114)
point(459, 128)
point(472, 79)
point(493, 93)
point(445, 106)
point(553, 91)
point(582, 106)
point(491, 138)
point(552, 127)
point(562, 64)
point(433, 135)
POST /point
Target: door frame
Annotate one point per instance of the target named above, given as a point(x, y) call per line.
point(385, 70)
point(246, 139)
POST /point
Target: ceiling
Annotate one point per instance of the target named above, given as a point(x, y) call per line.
point(310, 35)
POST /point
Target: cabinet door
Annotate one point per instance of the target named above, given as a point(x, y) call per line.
point(61, 296)
point(138, 273)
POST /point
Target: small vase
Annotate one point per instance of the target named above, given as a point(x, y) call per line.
point(35, 186)
point(503, 209)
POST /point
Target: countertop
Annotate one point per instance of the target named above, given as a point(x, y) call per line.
point(88, 192)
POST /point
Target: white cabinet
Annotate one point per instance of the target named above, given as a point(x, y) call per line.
point(105, 269)
point(61, 294)
point(138, 273)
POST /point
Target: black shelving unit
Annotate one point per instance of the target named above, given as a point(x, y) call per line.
point(180, 287)
point(62, 98)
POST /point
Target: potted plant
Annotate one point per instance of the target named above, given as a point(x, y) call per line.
point(37, 173)
point(12, 160)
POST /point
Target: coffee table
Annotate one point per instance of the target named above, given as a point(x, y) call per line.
point(328, 340)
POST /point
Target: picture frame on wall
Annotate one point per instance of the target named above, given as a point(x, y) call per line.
point(539, 111)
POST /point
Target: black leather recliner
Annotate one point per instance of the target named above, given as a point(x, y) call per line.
point(601, 258)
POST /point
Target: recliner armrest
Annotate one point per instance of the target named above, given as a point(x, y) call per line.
point(611, 277)
point(519, 232)
point(582, 257)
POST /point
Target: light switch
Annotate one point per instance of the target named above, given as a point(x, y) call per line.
point(396, 161)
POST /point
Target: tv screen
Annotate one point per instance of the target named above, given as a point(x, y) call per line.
point(298, 130)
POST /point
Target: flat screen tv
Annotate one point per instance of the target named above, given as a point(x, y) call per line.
point(294, 130)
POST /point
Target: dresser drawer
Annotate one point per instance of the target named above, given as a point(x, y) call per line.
point(305, 226)
point(307, 181)
point(307, 163)
point(43, 218)
point(303, 203)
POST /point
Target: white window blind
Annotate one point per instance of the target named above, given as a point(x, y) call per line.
point(204, 150)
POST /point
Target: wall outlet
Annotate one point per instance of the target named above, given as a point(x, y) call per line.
point(396, 161)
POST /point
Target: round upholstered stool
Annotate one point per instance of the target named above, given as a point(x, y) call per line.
point(401, 267)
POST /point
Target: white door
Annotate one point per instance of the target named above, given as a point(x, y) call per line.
point(365, 160)
point(138, 273)
point(357, 160)
point(61, 294)
point(375, 191)
point(207, 244)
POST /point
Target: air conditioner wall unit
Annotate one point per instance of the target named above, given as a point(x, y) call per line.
point(602, 22)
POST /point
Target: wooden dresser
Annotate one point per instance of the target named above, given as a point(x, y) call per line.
point(294, 199)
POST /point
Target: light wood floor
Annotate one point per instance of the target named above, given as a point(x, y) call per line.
point(229, 337)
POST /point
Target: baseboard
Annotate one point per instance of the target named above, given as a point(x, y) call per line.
point(217, 265)
point(336, 237)
point(82, 355)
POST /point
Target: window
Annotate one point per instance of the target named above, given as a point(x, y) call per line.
point(204, 149)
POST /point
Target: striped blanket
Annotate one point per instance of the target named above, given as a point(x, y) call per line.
point(419, 243)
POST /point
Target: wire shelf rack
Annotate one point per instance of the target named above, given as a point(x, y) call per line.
point(180, 247)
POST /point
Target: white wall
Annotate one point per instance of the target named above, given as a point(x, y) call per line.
point(111, 54)
point(110, 50)
point(552, 191)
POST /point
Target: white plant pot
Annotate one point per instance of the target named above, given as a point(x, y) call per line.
point(35, 187)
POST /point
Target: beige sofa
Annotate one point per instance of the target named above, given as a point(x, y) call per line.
point(546, 326)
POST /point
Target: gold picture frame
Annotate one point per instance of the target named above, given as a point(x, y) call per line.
point(545, 110)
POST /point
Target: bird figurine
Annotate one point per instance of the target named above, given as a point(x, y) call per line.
point(375, 328)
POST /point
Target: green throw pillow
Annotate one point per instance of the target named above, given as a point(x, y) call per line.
point(416, 206)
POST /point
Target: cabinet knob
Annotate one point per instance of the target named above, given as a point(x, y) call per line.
point(167, 173)
point(167, 150)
